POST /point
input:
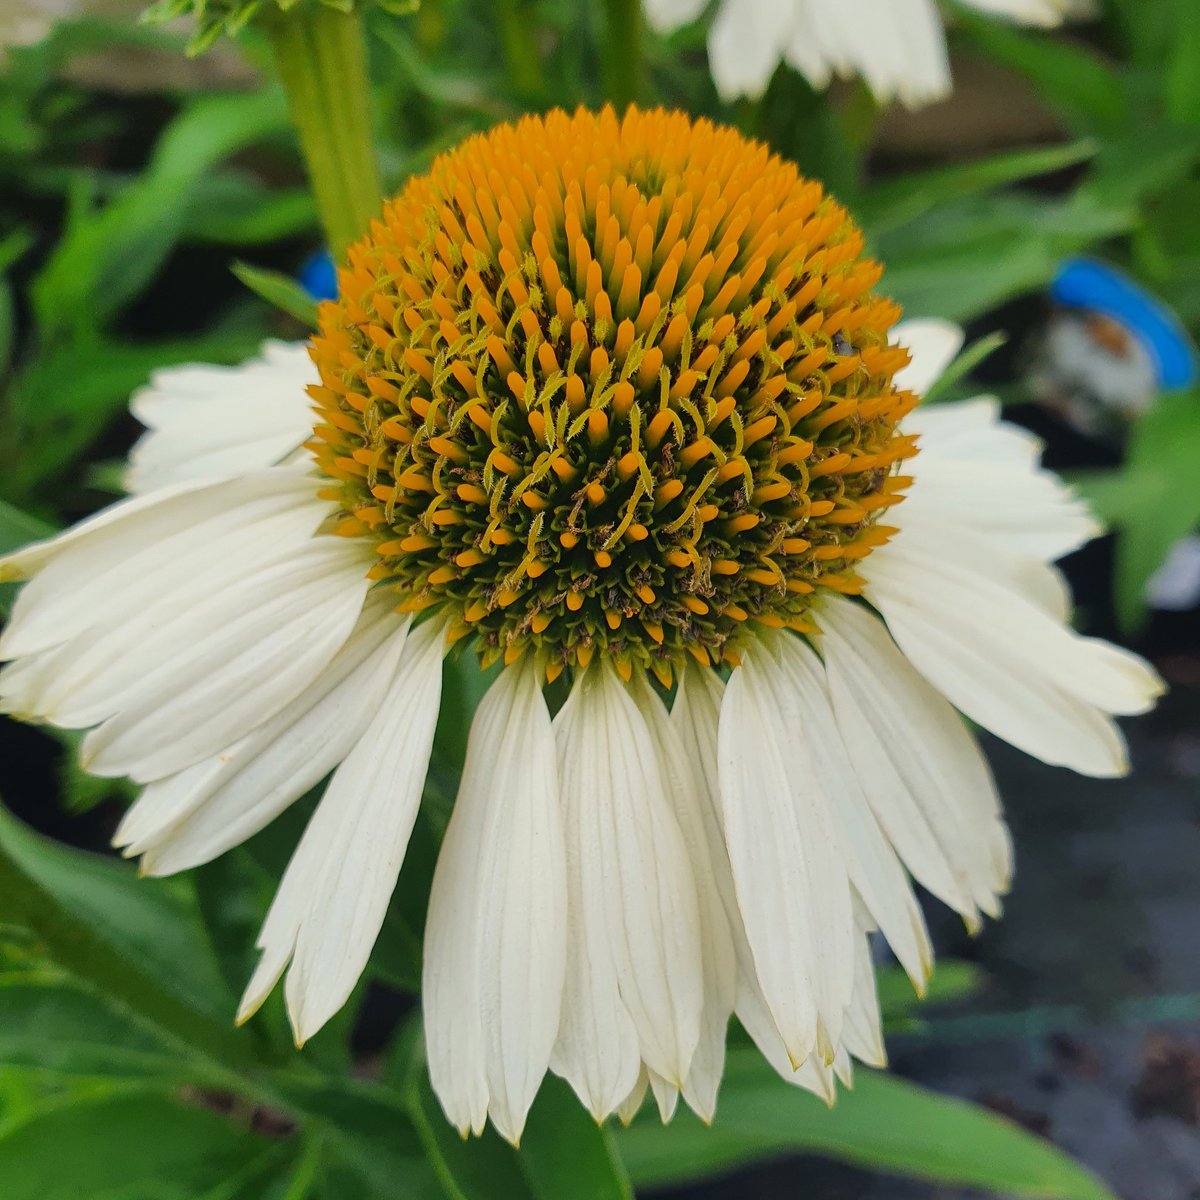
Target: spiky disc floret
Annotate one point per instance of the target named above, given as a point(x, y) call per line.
point(618, 386)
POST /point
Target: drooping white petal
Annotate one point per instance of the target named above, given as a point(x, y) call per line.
point(862, 1036)
point(666, 1096)
point(495, 940)
point(668, 15)
point(230, 664)
point(331, 902)
point(635, 987)
point(922, 772)
point(869, 859)
point(788, 868)
point(689, 792)
point(189, 818)
point(752, 1011)
point(209, 422)
point(631, 1105)
point(1028, 12)
point(98, 567)
point(932, 345)
point(746, 43)
point(696, 714)
point(1001, 658)
point(897, 46)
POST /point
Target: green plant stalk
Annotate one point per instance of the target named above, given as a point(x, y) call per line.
point(322, 59)
point(518, 41)
point(624, 52)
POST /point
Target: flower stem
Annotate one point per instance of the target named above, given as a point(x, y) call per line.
point(623, 52)
point(322, 60)
point(518, 40)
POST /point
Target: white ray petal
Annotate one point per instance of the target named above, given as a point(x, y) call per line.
point(634, 977)
point(209, 422)
point(1028, 12)
point(1001, 658)
point(666, 1096)
point(788, 867)
point(869, 859)
point(85, 679)
point(665, 16)
point(972, 429)
point(495, 941)
point(331, 902)
point(689, 792)
point(188, 819)
point(227, 667)
point(696, 713)
point(862, 1036)
point(631, 1105)
point(746, 43)
point(812, 1074)
point(922, 771)
point(933, 345)
point(982, 474)
point(897, 46)
point(87, 575)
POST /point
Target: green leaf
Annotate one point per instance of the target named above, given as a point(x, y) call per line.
point(18, 528)
point(482, 1168)
point(92, 955)
point(8, 329)
point(62, 409)
point(234, 208)
point(953, 980)
point(1068, 76)
point(1182, 80)
point(962, 367)
point(967, 257)
point(109, 254)
point(370, 1136)
point(1131, 168)
point(895, 202)
point(122, 1147)
point(231, 896)
point(565, 1153)
point(280, 291)
point(885, 1123)
point(153, 922)
point(51, 1023)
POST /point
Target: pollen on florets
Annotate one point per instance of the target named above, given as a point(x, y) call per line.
point(619, 386)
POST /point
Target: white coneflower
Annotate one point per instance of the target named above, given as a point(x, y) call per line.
point(897, 46)
point(614, 401)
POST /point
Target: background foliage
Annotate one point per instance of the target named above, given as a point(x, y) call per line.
point(164, 225)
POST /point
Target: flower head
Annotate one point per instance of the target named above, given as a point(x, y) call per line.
point(613, 401)
point(629, 398)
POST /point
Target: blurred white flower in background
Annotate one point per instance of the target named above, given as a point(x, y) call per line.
point(24, 22)
point(897, 46)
